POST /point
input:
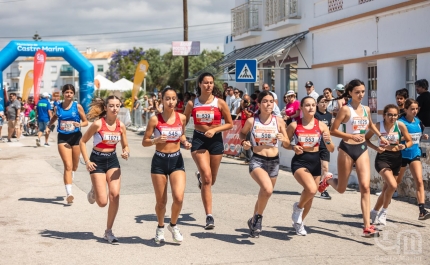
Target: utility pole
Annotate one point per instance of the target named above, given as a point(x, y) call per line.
point(185, 39)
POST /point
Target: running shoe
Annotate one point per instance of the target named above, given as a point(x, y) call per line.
point(371, 231)
point(46, 145)
point(323, 183)
point(91, 196)
point(378, 193)
point(297, 214)
point(258, 219)
point(176, 234)
point(109, 236)
point(382, 218)
point(199, 181)
point(373, 216)
point(70, 198)
point(300, 229)
point(159, 235)
point(38, 142)
point(210, 223)
point(325, 195)
point(252, 233)
point(424, 216)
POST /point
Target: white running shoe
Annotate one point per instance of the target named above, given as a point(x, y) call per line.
point(109, 236)
point(70, 198)
point(297, 214)
point(91, 196)
point(378, 193)
point(382, 218)
point(159, 235)
point(373, 216)
point(300, 229)
point(176, 234)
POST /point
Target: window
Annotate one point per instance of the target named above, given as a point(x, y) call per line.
point(335, 5)
point(340, 76)
point(372, 85)
point(411, 76)
point(54, 83)
point(53, 69)
point(100, 68)
point(364, 1)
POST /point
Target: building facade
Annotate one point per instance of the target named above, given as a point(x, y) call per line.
point(57, 72)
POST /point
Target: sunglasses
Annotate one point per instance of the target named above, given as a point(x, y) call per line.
point(390, 115)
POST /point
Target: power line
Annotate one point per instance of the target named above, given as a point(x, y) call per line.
point(117, 32)
point(5, 2)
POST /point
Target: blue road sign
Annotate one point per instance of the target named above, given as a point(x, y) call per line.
point(246, 70)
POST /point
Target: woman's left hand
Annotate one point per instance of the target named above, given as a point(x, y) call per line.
point(187, 145)
point(326, 137)
point(125, 155)
point(425, 136)
point(210, 133)
point(77, 124)
point(384, 141)
point(281, 137)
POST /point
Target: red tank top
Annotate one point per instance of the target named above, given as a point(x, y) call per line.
point(105, 138)
point(206, 114)
point(172, 131)
point(307, 137)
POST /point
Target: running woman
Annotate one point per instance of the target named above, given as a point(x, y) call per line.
point(71, 117)
point(411, 156)
point(207, 145)
point(266, 130)
point(353, 149)
point(388, 159)
point(306, 163)
point(107, 131)
point(168, 128)
point(323, 115)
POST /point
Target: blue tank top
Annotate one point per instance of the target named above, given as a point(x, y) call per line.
point(66, 118)
point(414, 130)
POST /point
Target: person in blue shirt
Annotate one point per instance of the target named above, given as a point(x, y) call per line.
point(412, 155)
point(44, 114)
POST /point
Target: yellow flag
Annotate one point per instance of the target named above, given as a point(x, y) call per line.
point(139, 75)
point(28, 84)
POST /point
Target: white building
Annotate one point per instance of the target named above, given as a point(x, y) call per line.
point(57, 72)
point(384, 43)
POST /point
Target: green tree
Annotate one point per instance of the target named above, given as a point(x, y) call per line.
point(156, 77)
point(124, 63)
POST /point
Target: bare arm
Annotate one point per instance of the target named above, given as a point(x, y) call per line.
point(86, 137)
point(282, 130)
point(227, 117)
point(326, 136)
point(147, 141)
point(84, 121)
point(295, 115)
point(369, 135)
point(188, 110)
point(340, 117)
point(124, 142)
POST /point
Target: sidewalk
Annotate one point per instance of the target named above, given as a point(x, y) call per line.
point(37, 227)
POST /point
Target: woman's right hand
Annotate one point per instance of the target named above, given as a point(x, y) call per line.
point(298, 149)
point(380, 149)
point(357, 137)
point(160, 140)
point(246, 145)
point(91, 166)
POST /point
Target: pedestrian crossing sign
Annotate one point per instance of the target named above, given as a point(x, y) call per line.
point(246, 70)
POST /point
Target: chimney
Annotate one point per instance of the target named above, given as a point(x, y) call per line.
point(89, 50)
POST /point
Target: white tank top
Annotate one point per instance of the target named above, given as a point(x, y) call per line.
point(357, 124)
point(264, 134)
point(392, 137)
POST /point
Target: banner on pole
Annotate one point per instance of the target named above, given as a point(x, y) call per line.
point(39, 65)
point(28, 84)
point(139, 75)
point(231, 139)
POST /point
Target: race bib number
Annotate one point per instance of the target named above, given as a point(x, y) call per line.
point(360, 124)
point(392, 138)
point(111, 138)
point(67, 126)
point(416, 138)
point(265, 136)
point(205, 116)
point(308, 140)
point(173, 134)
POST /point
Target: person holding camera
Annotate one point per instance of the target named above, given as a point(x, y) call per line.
point(245, 112)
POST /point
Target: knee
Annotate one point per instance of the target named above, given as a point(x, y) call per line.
point(161, 205)
point(178, 199)
point(312, 190)
point(365, 189)
point(267, 192)
point(206, 179)
point(68, 167)
point(101, 203)
point(392, 185)
point(114, 197)
point(342, 190)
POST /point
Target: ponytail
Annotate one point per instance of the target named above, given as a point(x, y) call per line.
point(97, 108)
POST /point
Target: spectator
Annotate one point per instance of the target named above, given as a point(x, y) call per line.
point(254, 105)
point(422, 87)
point(44, 114)
point(246, 112)
point(193, 97)
point(257, 91)
point(180, 105)
point(310, 90)
point(229, 96)
point(12, 112)
point(401, 96)
point(32, 125)
point(187, 96)
point(292, 107)
point(276, 109)
point(2, 119)
point(235, 104)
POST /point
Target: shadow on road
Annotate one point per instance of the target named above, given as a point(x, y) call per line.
point(286, 192)
point(59, 200)
point(270, 234)
point(184, 218)
point(360, 216)
point(91, 236)
point(242, 239)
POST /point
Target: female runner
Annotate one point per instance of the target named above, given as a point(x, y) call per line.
point(306, 163)
point(353, 149)
point(388, 159)
point(266, 130)
point(71, 117)
point(207, 145)
point(107, 131)
point(168, 128)
point(411, 156)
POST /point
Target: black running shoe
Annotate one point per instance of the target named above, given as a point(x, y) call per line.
point(210, 223)
point(252, 233)
point(257, 223)
point(199, 181)
point(424, 216)
point(325, 195)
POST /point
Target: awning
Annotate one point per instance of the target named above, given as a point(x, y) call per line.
point(260, 51)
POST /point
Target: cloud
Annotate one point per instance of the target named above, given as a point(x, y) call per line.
point(61, 17)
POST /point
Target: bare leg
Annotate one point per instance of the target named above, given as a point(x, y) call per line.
point(310, 188)
point(160, 188)
point(113, 178)
point(66, 154)
point(266, 184)
point(177, 184)
point(344, 167)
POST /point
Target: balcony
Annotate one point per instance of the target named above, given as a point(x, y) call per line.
point(67, 71)
point(13, 75)
point(281, 14)
point(245, 20)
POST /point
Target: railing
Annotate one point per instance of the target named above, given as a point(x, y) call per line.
point(66, 73)
point(280, 10)
point(245, 18)
point(12, 75)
